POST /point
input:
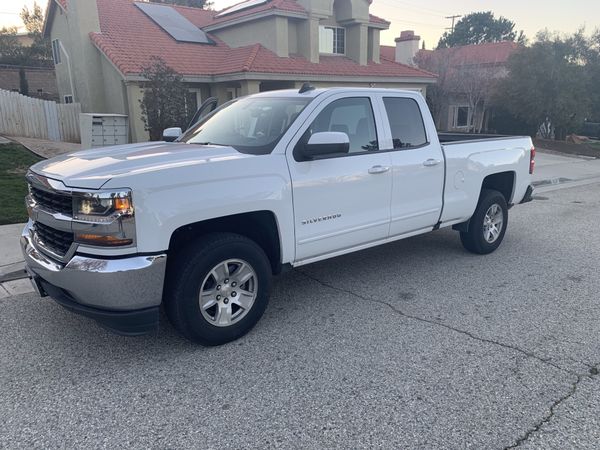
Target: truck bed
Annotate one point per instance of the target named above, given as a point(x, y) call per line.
point(449, 138)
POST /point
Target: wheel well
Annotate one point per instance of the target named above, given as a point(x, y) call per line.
point(260, 226)
point(502, 182)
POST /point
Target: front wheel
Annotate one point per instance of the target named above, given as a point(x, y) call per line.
point(488, 224)
point(218, 288)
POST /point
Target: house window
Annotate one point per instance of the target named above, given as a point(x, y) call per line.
point(332, 40)
point(68, 99)
point(232, 93)
point(462, 115)
point(56, 51)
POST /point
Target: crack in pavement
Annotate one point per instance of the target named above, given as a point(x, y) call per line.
point(593, 371)
point(440, 324)
point(546, 418)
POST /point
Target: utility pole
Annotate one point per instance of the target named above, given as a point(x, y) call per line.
point(456, 16)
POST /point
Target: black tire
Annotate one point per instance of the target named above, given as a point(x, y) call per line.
point(191, 268)
point(474, 240)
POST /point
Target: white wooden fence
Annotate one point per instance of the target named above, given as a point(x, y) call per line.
point(35, 118)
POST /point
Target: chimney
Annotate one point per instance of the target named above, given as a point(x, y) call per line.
point(407, 46)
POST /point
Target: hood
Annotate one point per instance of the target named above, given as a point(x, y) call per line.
point(91, 169)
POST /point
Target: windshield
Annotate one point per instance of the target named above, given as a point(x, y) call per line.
point(250, 125)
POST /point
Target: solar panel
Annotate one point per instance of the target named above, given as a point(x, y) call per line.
point(170, 20)
point(240, 6)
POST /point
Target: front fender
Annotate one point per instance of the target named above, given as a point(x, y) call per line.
point(166, 201)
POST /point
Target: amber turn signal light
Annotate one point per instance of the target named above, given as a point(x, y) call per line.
point(123, 204)
point(105, 241)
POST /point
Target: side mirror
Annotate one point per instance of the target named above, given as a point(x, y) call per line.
point(325, 143)
point(170, 134)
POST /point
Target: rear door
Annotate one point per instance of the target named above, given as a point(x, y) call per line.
point(341, 202)
point(417, 165)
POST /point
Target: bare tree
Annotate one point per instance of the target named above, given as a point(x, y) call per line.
point(437, 94)
point(471, 83)
point(475, 83)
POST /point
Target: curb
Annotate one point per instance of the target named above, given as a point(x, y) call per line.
point(553, 184)
point(12, 276)
point(14, 271)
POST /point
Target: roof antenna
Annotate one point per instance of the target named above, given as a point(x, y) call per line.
point(306, 87)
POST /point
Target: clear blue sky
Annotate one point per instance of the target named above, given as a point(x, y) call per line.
point(428, 21)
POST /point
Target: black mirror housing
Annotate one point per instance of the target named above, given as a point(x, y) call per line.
point(323, 144)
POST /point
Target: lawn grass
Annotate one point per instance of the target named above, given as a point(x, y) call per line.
point(14, 162)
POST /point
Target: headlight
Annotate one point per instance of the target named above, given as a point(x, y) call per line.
point(104, 219)
point(102, 207)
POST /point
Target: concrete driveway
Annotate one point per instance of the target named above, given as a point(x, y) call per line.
point(416, 344)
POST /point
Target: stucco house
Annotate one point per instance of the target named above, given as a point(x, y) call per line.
point(467, 75)
point(101, 46)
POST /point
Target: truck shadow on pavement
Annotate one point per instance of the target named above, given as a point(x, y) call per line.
point(294, 292)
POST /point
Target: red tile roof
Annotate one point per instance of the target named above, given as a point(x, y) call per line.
point(279, 5)
point(488, 53)
point(267, 62)
point(62, 3)
point(374, 19)
point(129, 39)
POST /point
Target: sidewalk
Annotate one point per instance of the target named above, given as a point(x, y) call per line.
point(553, 169)
point(11, 262)
point(44, 148)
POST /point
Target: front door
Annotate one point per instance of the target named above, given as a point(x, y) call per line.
point(341, 202)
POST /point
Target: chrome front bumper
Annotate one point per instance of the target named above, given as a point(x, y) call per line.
point(113, 284)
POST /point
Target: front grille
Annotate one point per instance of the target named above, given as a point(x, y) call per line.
point(53, 201)
point(57, 241)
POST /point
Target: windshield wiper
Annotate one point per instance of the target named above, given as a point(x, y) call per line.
point(208, 143)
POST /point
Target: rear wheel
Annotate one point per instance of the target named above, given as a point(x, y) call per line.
point(218, 288)
point(488, 224)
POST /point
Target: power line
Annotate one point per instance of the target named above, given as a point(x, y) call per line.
point(412, 22)
point(410, 7)
point(454, 17)
point(421, 8)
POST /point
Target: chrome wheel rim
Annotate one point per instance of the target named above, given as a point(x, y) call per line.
point(228, 292)
point(492, 223)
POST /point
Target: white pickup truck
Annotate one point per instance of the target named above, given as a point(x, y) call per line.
point(263, 183)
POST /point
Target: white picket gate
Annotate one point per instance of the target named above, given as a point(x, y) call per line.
point(36, 118)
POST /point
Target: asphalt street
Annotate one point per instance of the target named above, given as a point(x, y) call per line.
point(416, 344)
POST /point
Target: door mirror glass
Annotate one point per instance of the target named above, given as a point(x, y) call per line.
point(329, 143)
point(170, 134)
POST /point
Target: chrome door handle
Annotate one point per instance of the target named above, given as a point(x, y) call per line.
point(378, 169)
point(431, 162)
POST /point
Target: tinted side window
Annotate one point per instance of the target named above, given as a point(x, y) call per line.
point(406, 122)
point(353, 116)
